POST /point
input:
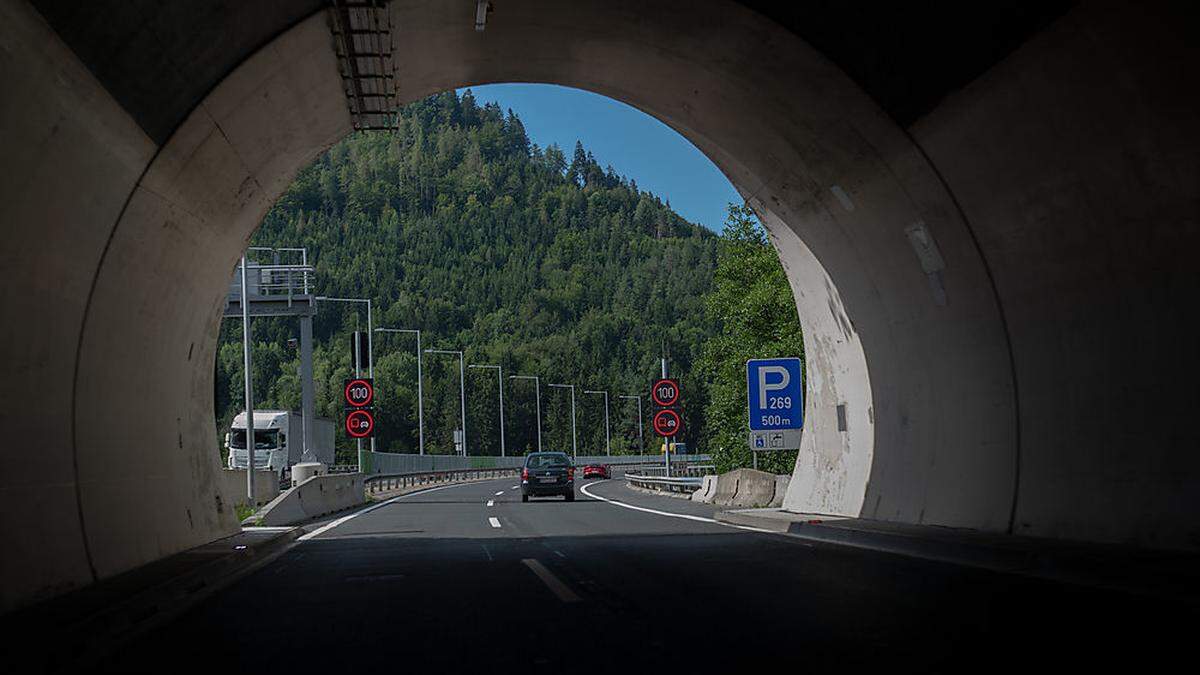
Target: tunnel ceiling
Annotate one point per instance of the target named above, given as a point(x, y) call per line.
point(909, 55)
point(160, 59)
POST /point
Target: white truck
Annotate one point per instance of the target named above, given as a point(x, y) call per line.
point(278, 440)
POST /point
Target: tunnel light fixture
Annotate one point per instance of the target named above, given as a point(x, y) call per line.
point(481, 11)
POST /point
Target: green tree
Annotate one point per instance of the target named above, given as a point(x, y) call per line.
point(752, 303)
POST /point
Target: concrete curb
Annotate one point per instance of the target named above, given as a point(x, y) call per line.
point(743, 518)
point(1154, 573)
point(813, 528)
point(93, 622)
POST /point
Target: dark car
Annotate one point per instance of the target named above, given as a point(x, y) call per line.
point(597, 471)
point(548, 473)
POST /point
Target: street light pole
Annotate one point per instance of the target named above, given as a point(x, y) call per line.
point(420, 391)
point(246, 363)
point(537, 383)
point(641, 443)
point(666, 441)
point(462, 391)
point(574, 445)
point(500, 380)
point(607, 437)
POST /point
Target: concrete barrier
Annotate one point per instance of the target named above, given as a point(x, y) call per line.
point(754, 488)
point(781, 486)
point(707, 491)
point(233, 486)
point(726, 488)
point(317, 496)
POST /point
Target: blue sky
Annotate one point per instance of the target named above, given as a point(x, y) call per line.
point(636, 144)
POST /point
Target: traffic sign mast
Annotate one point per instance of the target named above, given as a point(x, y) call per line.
point(666, 440)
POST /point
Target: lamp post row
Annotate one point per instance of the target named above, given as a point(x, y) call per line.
point(500, 380)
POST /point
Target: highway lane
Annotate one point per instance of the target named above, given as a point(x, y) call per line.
point(468, 578)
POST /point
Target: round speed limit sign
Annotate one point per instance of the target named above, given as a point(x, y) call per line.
point(359, 392)
point(665, 393)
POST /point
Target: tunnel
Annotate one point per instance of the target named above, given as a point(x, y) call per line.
point(988, 227)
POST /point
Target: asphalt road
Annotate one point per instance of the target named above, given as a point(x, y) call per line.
point(467, 578)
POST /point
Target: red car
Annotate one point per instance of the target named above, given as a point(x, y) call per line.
point(597, 471)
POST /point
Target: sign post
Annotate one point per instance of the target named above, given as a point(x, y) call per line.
point(358, 395)
point(667, 422)
point(775, 404)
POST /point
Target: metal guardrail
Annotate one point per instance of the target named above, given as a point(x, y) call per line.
point(678, 470)
point(685, 484)
point(399, 481)
point(396, 463)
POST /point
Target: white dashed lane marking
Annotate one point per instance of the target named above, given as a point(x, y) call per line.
point(495, 522)
point(552, 582)
point(491, 502)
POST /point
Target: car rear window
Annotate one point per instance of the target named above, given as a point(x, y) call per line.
point(543, 461)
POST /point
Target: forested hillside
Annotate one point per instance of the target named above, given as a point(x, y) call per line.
point(459, 226)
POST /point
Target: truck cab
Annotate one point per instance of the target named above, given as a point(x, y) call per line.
point(270, 441)
point(278, 440)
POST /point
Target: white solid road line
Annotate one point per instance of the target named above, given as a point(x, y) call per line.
point(494, 522)
point(700, 519)
point(491, 502)
point(552, 582)
point(329, 526)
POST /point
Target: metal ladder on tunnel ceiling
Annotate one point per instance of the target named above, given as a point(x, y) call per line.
point(362, 35)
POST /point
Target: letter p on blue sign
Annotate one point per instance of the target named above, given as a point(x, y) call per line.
point(775, 396)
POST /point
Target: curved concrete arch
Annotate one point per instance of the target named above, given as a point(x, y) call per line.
point(133, 245)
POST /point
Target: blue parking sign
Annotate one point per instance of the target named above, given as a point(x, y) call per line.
point(776, 396)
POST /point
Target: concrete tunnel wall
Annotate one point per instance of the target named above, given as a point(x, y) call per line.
point(1092, 241)
point(125, 250)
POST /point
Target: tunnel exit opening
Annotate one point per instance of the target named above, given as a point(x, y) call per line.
point(928, 424)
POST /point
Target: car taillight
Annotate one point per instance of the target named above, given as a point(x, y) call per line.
point(571, 473)
point(524, 474)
